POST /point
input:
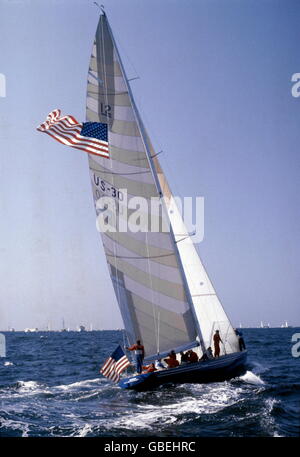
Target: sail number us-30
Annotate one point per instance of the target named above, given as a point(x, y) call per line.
point(107, 189)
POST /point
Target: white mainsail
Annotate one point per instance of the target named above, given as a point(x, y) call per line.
point(156, 279)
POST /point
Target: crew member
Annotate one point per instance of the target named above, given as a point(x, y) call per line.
point(149, 368)
point(241, 339)
point(217, 340)
point(184, 357)
point(139, 350)
point(171, 360)
point(207, 355)
point(193, 358)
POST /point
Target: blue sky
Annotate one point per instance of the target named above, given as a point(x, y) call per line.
point(215, 94)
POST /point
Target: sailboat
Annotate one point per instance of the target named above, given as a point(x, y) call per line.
point(286, 325)
point(63, 329)
point(262, 325)
point(165, 296)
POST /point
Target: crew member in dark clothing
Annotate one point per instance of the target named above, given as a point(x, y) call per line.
point(207, 355)
point(217, 340)
point(239, 334)
point(184, 357)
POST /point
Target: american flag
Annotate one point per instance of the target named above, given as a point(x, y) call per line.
point(91, 137)
point(115, 364)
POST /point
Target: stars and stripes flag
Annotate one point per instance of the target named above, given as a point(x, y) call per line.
point(91, 137)
point(115, 364)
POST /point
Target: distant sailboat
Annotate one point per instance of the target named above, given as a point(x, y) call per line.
point(63, 329)
point(286, 325)
point(262, 325)
point(164, 293)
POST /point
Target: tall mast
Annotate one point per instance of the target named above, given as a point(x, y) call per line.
point(157, 183)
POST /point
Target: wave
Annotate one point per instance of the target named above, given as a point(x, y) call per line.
point(77, 385)
point(202, 400)
point(11, 427)
point(47, 395)
point(27, 386)
point(251, 378)
point(84, 431)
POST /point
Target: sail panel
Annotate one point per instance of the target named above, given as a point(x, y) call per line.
point(141, 303)
point(122, 113)
point(165, 271)
point(154, 240)
point(140, 248)
point(152, 286)
point(130, 171)
point(129, 157)
point(133, 187)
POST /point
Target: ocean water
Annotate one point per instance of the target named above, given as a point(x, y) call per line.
point(50, 386)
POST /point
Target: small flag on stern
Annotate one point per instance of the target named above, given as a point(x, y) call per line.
point(115, 364)
point(91, 137)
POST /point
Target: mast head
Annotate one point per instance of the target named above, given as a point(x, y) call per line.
point(101, 7)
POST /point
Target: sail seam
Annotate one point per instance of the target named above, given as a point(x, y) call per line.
point(146, 257)
point(114, 173)
point(202, 295)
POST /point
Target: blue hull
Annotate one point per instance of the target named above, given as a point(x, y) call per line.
point(220, 369)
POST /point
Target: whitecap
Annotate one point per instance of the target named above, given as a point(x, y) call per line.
point(203, 399)
point(21, 426)
point(31, 388)
point(84, 431)
point(25, 386)
point(252, 378)
point(76, 385)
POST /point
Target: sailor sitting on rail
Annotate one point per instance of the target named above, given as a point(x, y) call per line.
point(171, 360)
point(149, 368)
